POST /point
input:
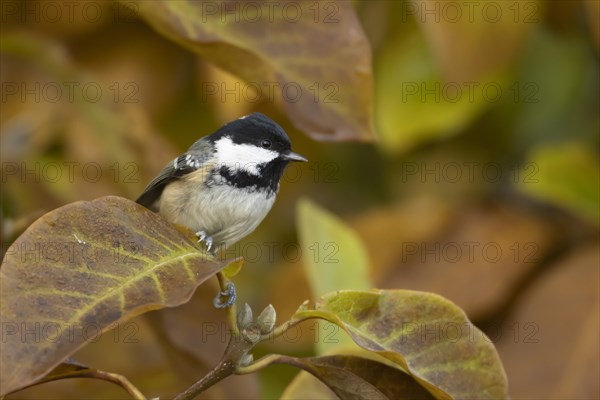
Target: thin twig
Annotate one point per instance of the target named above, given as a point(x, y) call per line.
point(240, 344)
point(93, 374)
point(281, 329)
point(220, 372)
point(260, 364)
point(119, 380)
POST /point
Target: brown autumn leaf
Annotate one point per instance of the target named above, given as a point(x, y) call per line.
point(413, 220)
point(489, 249)
point(550, 344)
point(352, 377)
point(424, 334)
point(81, 269)
point(313, 55)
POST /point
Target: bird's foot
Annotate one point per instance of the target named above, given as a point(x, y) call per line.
point(225, 298)
point(208, 241)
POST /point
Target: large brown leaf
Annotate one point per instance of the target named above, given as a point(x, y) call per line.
point(313, 55)
point(489, 249)
point(557, 318)
point(424, 334)
point(80, 270)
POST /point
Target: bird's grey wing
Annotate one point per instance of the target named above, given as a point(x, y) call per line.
point(186, 163)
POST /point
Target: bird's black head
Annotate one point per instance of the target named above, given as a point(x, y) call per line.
point(253, 151)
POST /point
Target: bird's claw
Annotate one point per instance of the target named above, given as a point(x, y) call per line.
point(228, 295)
point(208, 241)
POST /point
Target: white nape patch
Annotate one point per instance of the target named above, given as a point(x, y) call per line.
point(244, 157)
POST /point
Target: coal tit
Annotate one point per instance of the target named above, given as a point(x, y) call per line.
point(224, 185)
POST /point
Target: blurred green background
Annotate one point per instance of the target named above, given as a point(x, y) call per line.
point(466, 161)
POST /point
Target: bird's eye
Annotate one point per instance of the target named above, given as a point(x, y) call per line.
point(266, 144)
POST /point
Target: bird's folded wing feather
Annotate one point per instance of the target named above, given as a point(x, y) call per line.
point(186, 163)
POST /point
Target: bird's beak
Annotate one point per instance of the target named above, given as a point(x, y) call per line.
point(291, 156)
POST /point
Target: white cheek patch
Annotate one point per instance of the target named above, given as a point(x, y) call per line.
point(244, 157)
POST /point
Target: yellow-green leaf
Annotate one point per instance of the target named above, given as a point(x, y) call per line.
point(415, 105)
point(312, 55)
point(424, 334)
point(566, 175)
point(233, 268)
point(81, 269)
point(334, 255)
point(438, 72)
point(334, 259)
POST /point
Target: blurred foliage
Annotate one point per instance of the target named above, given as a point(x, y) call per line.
point(343, 113)
point(456, 173)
